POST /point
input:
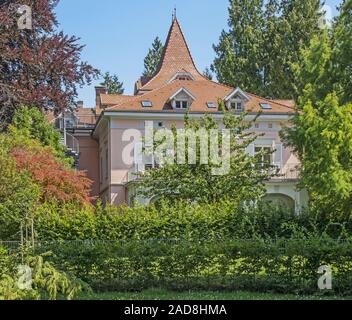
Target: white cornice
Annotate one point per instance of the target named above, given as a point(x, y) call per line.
point(106, 115)
point(181, 115)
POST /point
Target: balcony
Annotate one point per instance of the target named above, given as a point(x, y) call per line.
point(81, 122)
point(287, 172)
point(73, 122)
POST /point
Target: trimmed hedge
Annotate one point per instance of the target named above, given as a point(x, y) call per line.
point(283, 266)
point(206, 252)
point(183, 221)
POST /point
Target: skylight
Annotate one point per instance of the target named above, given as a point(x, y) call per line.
point(147, 104)
point(265, 106)
point(211, 105)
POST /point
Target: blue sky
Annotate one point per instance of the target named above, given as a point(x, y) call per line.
point(118, 33)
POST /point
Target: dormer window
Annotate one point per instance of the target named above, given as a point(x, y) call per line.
point(237, 105)
point(236, 100)
point(181, 104)
point(182, 99)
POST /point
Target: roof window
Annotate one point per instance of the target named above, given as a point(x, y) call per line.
point(265, 106)
point(146, 104)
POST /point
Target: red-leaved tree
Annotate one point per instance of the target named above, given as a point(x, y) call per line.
point(38, 67)
point(57, 182)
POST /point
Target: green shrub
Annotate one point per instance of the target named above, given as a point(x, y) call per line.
point(284, 266)
point(47, 282)
point(31, 123)
point(187, 246)
point(180, 221)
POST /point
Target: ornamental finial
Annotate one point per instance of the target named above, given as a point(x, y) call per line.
point(174, 14)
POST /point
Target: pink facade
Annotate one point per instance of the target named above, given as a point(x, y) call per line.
point(89, 161)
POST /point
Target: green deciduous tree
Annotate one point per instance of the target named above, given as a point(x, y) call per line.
point(32, 123)
point(30, 176)
point(19, 194)
point(112, 83)
point(321, 132)
point(153, 57)
point(197, 182)
point(322, 137)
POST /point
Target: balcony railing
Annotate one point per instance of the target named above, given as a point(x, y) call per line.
point(81, 122)
point(286, 172)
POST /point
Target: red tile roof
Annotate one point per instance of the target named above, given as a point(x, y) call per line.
point(113, 99)
point(158, 89)
point(289, 103)
point(176, 57)
point(203, 90)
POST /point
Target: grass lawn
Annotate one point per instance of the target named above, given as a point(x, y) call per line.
point(156, 294)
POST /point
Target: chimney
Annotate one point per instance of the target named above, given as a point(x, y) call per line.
point(80, 104)
point(99, 90)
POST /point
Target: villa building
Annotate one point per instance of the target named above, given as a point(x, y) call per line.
point(176, 88)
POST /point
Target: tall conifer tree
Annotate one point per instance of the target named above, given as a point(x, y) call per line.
point(153, 57)
point(342, 41)
point(264, 42)
point(238, 54)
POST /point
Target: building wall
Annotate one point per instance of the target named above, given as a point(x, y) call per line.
point(118, 195)
point(121, 156)
point(89, 161)
point(104, 163)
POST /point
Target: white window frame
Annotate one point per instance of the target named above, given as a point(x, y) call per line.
point(237, 95)
point(263, 146)
point(181, 101)
point(237, 102)
point(106, 165)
